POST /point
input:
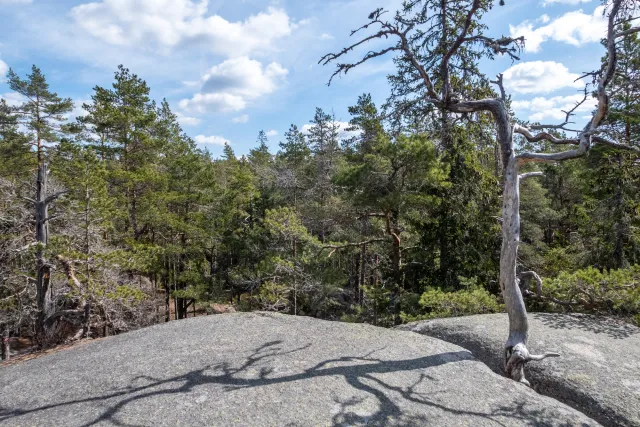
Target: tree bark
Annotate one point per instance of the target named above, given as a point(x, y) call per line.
point(43, 267)
point(392, 230)
point(6, 347)
point(518, 323)
point(362, 273)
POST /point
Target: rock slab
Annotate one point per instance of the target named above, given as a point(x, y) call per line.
point(258, 369)
point(598, 372)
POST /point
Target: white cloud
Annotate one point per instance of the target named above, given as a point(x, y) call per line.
point(77, 111)
point(233, 84)
point(539, 77)
point(13, 98)
point(575, 28)
point(213, 139)
point(241, 119)
point(3, 70)
point(168, 24)
point(215, 102)
point(326, 36)
point(548, 2)
point(343, 133)
point(540, 109)
point(272, 132)
point(187, 120)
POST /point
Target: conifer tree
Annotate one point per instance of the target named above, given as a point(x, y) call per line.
point(42, 113)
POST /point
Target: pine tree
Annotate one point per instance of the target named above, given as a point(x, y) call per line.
point(292, 160)
point(124, 117)
point(42, 113)
point(324, 143)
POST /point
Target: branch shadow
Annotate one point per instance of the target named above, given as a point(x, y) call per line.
point(588, 323)
point(359, 372)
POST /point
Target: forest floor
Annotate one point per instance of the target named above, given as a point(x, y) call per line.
point(24, 349)
point(31, 352)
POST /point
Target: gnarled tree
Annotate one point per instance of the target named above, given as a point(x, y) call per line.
point(435, 39)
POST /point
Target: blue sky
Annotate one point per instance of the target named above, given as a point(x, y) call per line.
point(232, 68)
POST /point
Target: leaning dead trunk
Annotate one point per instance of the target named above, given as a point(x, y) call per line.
point(516, 353)
point(518, 325)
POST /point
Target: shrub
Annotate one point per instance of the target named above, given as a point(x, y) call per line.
point(613, 293)
point(437, 303)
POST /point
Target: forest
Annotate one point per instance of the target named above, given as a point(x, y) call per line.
point(116, 220)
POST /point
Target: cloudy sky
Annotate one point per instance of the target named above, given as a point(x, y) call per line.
point(232, 68)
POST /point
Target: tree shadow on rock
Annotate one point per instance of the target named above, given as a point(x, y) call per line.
point(589, 323)
point(256, 371)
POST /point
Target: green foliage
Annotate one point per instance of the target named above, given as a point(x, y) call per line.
point(462, 236)
point(382, 226)
point(613, 292)
point(43, 111)
point(438, 303)
point(127, 294)
point(274, 296)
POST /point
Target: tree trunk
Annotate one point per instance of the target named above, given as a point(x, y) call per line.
point(392, 230)
point(6, 347)
point(619, 218)
point(518, 323)
point(86, 321)
point(516, 354)
point(133, 213)
point(363, 277)
point(43, 268)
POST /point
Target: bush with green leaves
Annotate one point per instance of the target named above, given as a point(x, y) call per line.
point(612, 293)
point(436, 303)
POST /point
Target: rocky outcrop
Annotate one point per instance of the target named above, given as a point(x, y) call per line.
point(269, 370)
point(598, 372)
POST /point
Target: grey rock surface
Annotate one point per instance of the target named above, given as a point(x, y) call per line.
point(259, 369)
point(598, 372)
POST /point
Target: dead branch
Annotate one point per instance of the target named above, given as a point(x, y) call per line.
point(334, 248)
point(529, 175)
point(70, 272)
point(568, 115)
point(499, 82)
point(14, 295)
point(543, 136)
point(625, 33)
point(607, 142)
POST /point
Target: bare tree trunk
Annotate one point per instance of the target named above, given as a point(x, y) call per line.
point(43, 268)
point(518, 323)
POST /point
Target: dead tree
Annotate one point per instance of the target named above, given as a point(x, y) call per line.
point(42, 113)
point(43, 265)
point(411, 32)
